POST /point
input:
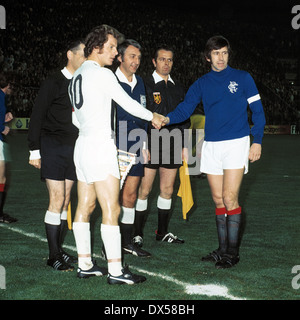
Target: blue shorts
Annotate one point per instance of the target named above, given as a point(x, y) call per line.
point(137, 170)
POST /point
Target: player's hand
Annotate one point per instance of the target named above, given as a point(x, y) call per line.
point(6, 130)
point(36, 163)
point(255, 152)
point(166, 121)
point(157, 120)
point(8, 117)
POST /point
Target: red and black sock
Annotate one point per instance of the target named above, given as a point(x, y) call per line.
point(2, 197)
point(221, 222)
point(234, 218)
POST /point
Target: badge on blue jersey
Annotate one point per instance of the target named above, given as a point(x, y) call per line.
point(143, 100)
point(233, 87)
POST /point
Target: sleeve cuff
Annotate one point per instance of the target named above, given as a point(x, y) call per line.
point(34, 155)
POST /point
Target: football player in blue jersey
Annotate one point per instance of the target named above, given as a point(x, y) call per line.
point(6, 88)
point(226, 94)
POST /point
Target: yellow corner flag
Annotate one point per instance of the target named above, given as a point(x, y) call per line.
point(185, 189)
point(69, 216)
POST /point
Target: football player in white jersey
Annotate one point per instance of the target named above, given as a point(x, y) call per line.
point(92, 89)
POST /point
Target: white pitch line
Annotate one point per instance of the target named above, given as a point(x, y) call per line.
point(210, 290)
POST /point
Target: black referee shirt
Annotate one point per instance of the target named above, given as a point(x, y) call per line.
point(52, 113)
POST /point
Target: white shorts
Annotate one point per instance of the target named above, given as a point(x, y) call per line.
point(228, 154)
point(95, 159)
point(2, 154)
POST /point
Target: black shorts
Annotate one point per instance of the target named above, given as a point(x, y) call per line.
point(57, 160)
point(165, 156)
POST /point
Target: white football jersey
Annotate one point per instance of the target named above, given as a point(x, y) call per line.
point(91, 92)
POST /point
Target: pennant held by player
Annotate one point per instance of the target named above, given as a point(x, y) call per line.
point(185, 189)
point(126, 161)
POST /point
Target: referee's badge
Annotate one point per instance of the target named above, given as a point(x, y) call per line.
point(157, 97)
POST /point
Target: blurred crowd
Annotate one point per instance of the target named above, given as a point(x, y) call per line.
point(36, 33)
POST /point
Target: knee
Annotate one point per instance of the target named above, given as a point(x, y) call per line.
point(111, 216)
point(91, 207)
point(218, 201)
point(86, 208)
point(56, 203)
point(144, 193)
point(230, 200)
point(166, 192)
point(128, 200)
point(84, 212)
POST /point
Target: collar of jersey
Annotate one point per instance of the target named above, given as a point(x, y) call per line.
point(220, 74)
point(158, 78)
point(122, 78)
point(66, 73)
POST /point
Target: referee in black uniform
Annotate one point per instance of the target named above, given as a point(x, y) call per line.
point(51, 140)
point(163, 95)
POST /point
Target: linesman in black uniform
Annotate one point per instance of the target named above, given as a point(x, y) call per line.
point(163, 95)
point(51, 141)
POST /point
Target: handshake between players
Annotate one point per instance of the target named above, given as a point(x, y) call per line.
point(159, 120)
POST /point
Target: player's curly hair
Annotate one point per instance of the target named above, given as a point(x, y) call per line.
point(99, 36)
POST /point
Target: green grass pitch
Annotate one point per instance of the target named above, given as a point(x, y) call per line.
point(269, 250)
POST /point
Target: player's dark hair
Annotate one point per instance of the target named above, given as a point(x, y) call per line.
point(215, 43)
point(74, 45)
point(99, 36)
point(6, 78)
point(162, 47)
point(125, 44)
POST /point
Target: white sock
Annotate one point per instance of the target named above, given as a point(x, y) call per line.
point(111, 238)
point(141, 205)
point(163, 203)
point(128, 215)
point(52, 218)
point(64, 215)
point(82, 236)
